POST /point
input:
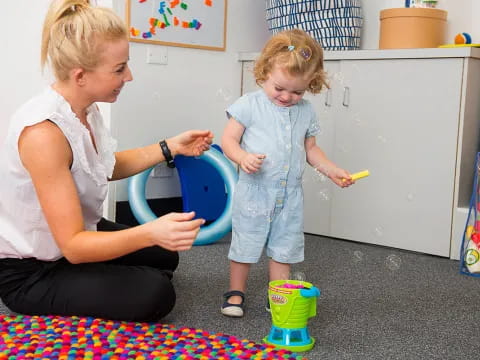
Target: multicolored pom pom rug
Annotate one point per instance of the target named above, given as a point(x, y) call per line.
point(74, 338)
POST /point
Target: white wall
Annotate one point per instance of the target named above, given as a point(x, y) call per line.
point(20, 59)
point(191, 91)
point(21, 24)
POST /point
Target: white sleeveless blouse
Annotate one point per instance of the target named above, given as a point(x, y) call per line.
point(24, 232)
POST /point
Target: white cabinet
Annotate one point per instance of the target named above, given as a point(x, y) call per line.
point(412, 118)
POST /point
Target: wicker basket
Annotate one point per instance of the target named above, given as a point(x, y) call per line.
point(336, 24)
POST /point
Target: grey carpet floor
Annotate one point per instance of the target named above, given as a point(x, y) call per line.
point(376, 302)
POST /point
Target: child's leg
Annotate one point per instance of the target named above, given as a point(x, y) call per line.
point(278, 271)
point(238, 279)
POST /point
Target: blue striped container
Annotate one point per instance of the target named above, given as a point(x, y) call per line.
point(336, 24)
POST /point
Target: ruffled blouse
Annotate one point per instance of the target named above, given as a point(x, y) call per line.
point(24, 231)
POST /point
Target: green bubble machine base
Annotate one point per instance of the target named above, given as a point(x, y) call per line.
point(292, 303)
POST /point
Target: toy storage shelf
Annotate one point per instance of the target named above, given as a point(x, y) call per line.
point(411, 117)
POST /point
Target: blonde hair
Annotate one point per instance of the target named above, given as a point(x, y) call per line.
point(296, 52)
point(73, 33)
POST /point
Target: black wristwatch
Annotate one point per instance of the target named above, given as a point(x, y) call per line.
point(167, 154)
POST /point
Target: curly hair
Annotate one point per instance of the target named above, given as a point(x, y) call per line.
point(298, 53)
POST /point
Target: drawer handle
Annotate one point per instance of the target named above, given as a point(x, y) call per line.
point(328, 98)
point(346, 96)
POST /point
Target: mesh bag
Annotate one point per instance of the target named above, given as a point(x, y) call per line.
point(470, 250)
point(335, 24)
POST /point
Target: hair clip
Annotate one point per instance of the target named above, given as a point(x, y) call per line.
point(306, 53)
point(291, 47)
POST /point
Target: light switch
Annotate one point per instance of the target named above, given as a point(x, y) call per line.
point(157, 55)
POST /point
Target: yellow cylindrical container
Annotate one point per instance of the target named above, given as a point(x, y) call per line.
point(405, 28)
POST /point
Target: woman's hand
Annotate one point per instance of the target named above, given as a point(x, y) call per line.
point(190, 143)
point(251, 163)
point(175, 231)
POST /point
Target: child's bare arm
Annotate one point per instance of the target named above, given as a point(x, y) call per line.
point(317, 158)
point(232, 135)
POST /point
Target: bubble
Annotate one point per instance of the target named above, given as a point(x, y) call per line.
point(355, 68)
point(315, 127)
point(300, 146)
point(324, 194)
point(223, 94)
point(381, 139)
point(156, 95)
point(343, 149)
point(358, 256)
point(267, 162)
point(339, 76)
point(357, 119)
point(299, 276)
point(410, 197)
point(320, 176)
point(393, 262)
point(378, 231)
point(252, 210)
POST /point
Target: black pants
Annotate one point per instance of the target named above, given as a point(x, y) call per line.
point(135, 287)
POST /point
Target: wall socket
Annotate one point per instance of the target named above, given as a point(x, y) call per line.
point(157, 55)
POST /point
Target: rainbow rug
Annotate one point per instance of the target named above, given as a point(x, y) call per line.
point(74, 338)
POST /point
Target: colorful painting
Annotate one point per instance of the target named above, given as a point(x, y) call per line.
point(186, 23)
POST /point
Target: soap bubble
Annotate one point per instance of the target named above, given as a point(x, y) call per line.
point(320, 177)
point(252, 209)
point(410, 197)
point(378, 231)
point(358, 256)
point(267, 162)
point(381, 139)
point(299, 276)
point(340, 77)
point(223, 94)
point(357, 119)
point(343, 148)
point(323, 195)
point(393, 262)
point(284, 276)
point(300, 146)
point(315, 127)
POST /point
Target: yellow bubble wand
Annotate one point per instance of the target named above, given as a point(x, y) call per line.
point(359, 175)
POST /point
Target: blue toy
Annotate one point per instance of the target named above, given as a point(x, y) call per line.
point(203, 188)
point(222, 223)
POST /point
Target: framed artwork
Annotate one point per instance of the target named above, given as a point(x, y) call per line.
point(186, 23)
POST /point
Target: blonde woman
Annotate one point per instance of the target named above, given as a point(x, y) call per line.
point(57, 255)
point(270, 134)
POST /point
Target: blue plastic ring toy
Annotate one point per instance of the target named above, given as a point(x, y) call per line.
point(208, 234)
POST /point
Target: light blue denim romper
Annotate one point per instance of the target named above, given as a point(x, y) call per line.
point(268, 205)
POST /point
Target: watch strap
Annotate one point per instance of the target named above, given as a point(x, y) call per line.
point(167, 154)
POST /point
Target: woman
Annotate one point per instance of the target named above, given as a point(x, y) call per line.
point(57, 255)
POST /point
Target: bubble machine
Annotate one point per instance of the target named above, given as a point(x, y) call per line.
point(292, 303)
